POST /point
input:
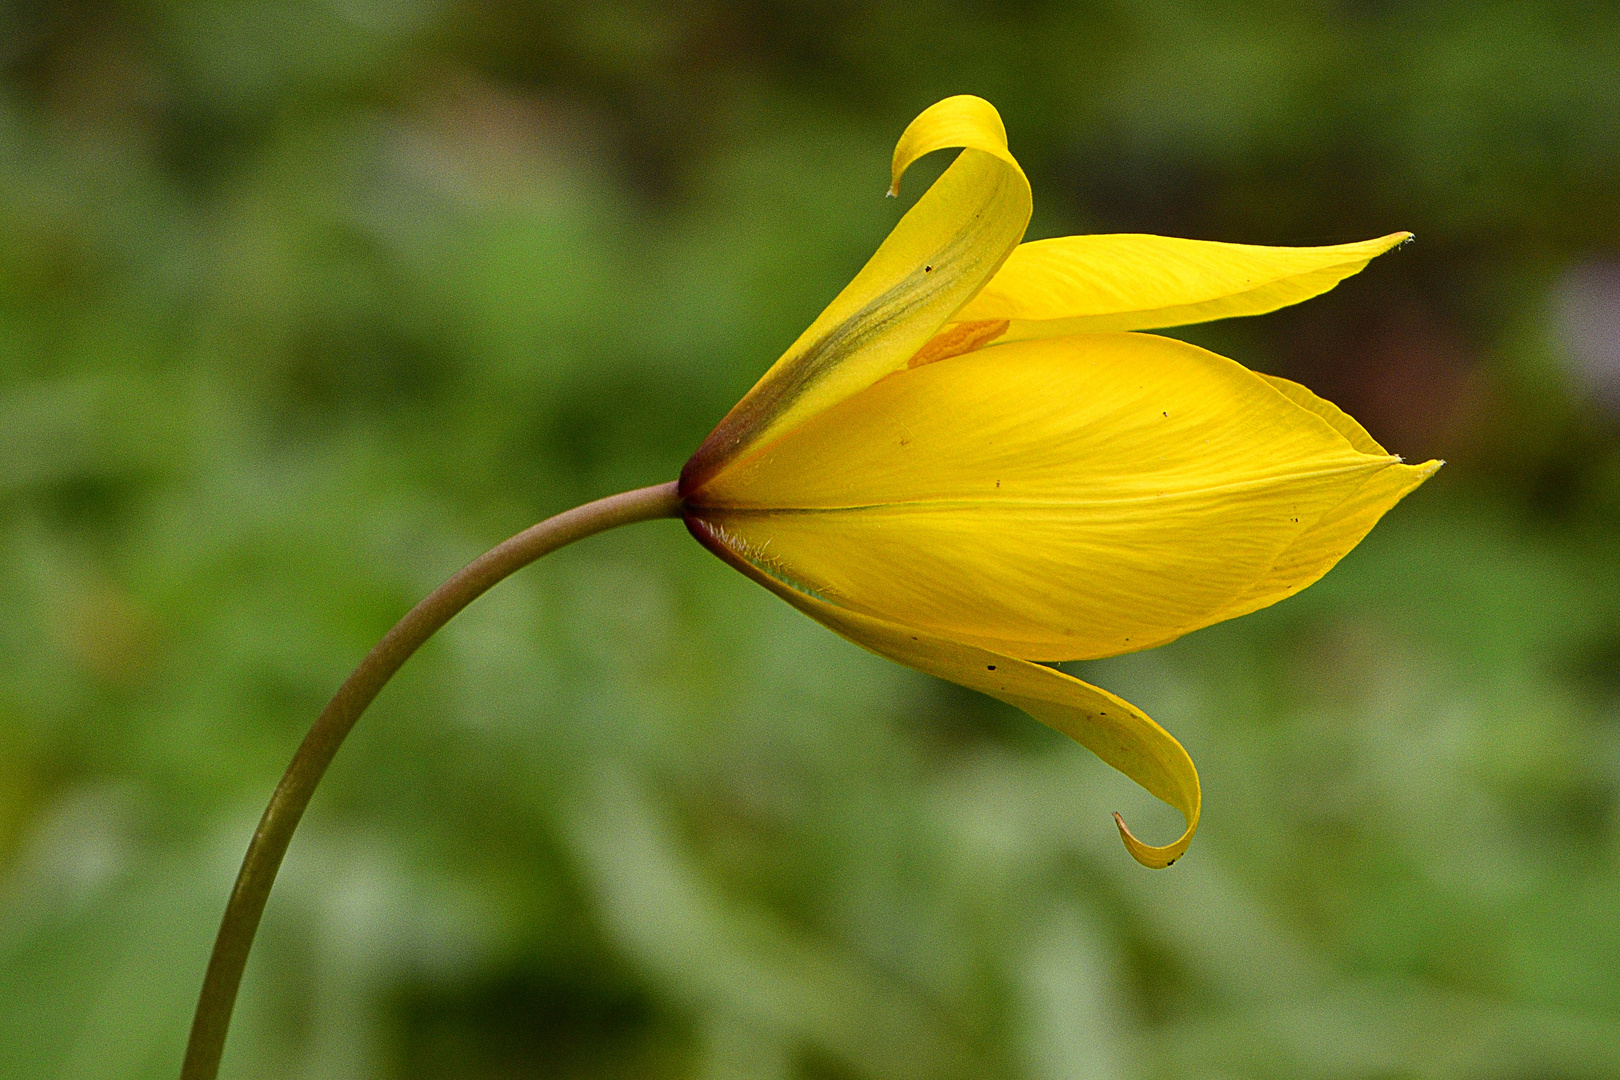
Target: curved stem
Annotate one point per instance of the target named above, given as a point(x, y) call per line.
point(292, 795)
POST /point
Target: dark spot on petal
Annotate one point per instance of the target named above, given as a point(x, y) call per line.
point(928, 269)
point(989, 667)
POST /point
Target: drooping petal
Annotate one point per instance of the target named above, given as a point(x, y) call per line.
point(943, 250)
point(1110, 727)
point(1054, 500)
point(1133, 281)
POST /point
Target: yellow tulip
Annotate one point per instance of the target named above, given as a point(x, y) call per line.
point(968, 464)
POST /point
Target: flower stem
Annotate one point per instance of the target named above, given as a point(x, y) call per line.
point(292, 795)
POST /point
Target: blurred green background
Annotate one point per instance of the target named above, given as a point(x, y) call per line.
point(304, 304)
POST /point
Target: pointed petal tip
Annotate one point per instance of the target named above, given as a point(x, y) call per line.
point(1154, 858)
point(1387, 242)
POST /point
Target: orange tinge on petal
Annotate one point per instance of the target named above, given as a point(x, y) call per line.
point(956, 339)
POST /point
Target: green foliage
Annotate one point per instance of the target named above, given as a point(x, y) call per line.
point(304, 305)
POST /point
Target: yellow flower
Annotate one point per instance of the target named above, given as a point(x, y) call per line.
point(968, 466)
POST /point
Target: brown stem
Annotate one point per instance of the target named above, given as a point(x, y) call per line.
point(270, 839)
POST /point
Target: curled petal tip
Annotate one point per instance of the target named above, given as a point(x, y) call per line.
point(1154, 858)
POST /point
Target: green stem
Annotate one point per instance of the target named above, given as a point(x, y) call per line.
point(270, 839)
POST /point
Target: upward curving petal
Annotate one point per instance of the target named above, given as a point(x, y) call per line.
point(1132, 281)
point(940, 254)
point(1110, 727)
point(1053, 500)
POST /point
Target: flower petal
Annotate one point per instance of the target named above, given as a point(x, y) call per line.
point(944, 249)
point(1133, 281)
point(1110, 727)
point(1319, 548)
point(1054, 500)
point(1342, 422)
